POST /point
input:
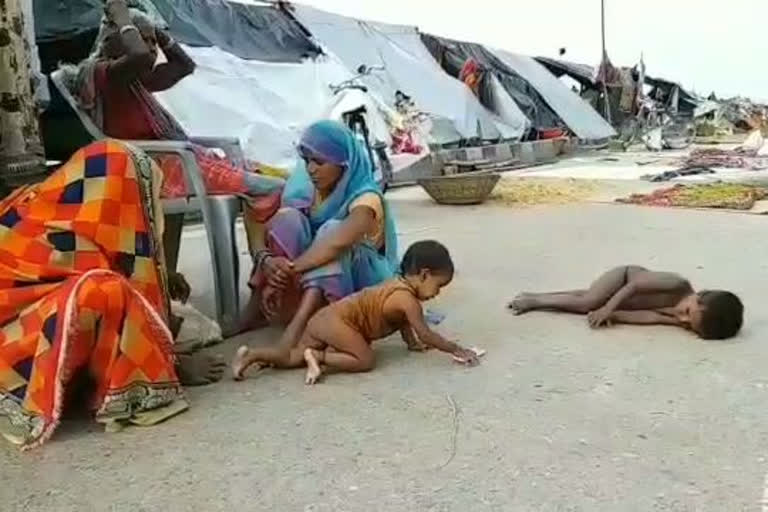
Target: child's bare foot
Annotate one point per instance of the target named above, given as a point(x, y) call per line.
point(238, 363)
point(313, 367)
point(523, 303)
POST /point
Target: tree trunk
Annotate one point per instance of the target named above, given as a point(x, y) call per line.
point(21, 153)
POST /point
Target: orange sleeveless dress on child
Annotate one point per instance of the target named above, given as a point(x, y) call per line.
point(364, 310)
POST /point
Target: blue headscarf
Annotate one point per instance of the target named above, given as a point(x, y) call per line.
point(335, 143)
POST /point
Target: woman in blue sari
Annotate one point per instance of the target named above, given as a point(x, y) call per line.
point(332, 236)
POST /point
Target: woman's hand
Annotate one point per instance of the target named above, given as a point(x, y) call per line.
point(278, 271)
point(117, 12)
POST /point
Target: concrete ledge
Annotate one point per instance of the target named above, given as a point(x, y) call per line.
point(527, 152)
point(422, 168)
point(533, 152)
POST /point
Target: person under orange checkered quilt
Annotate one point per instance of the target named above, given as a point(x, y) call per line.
point(84, 293)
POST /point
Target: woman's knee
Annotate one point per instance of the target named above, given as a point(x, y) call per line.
point(289, 231)
point(288, 215)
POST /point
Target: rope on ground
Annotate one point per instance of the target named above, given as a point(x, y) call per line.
point(455, 411)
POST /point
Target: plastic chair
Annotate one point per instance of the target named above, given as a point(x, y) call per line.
point(219, 211)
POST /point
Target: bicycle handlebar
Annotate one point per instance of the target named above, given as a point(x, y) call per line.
point(350, 83)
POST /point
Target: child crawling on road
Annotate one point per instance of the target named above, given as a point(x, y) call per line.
point(635, 295)
point(339, 336)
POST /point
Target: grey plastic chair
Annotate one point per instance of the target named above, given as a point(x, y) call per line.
point(219, 211)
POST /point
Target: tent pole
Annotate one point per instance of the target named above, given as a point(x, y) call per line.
point(602, 23)
point(606, 102)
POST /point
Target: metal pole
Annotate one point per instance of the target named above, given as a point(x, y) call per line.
point(606, 102)
point(602, 22)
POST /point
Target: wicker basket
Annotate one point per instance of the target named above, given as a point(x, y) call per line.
point(466, 188)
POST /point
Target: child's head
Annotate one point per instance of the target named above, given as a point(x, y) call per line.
point(718, 315)
point(428, 266)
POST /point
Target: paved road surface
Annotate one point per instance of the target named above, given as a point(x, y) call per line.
point(557, 418)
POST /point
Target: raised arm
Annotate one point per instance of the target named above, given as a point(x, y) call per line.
point(137, 58)
point(178, 65)
point(361, 220)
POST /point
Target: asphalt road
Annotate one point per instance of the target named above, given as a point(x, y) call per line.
point(557, 417)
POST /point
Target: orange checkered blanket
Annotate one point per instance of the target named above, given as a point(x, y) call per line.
point(82, 289)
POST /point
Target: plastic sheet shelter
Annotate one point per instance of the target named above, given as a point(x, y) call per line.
point(265, 104)
point(451, 55)
point(265, 101)
point(410, 68)
point(577, 114)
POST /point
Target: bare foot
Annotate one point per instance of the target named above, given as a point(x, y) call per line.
point(238, 363)
point(313, 367)
point(199, 369)
point(523, 303)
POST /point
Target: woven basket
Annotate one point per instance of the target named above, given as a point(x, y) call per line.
point(467, 188)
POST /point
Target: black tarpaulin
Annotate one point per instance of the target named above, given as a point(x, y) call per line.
point(582, 73)
point(56, 19)
point(452, 54)
point(250, 31)
point(260, 32)
point(664, 91)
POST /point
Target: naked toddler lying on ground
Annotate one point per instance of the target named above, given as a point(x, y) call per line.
point(635, 295)
point(339, 336)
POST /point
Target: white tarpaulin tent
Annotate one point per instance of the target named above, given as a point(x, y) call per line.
point(577, 114)
point(410, 68)
point(266, 105)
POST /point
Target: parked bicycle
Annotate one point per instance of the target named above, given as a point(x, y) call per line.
point(352, 93)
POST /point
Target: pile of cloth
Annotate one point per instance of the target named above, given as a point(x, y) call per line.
point(712, 195)
point(752, 155)
point(724, 158)
point(671, 175)
point(746, 115)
